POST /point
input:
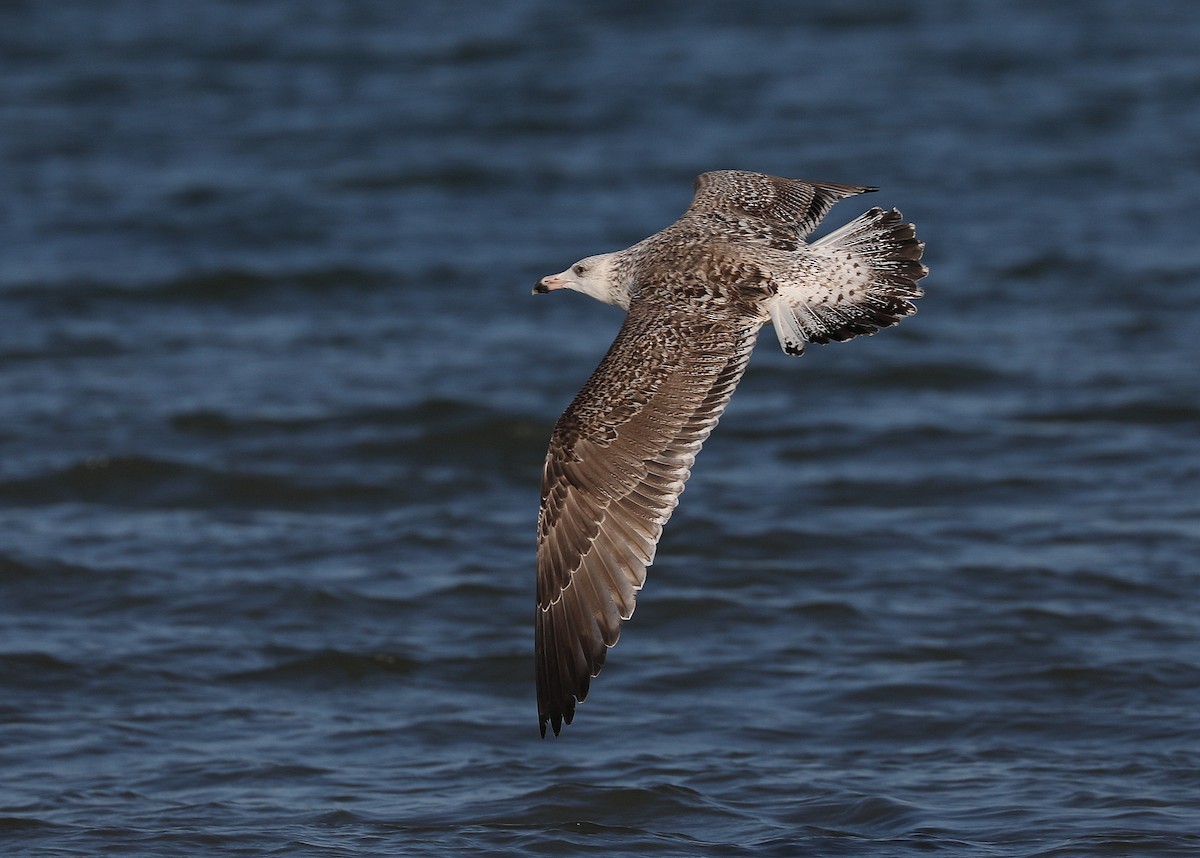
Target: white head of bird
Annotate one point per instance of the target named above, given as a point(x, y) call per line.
point(596, 276)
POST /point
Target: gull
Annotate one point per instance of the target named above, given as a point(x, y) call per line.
point(696, 295)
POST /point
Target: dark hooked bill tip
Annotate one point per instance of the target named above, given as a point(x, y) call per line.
point(539, 288)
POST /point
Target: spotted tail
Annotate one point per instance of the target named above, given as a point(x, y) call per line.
point(867, 280)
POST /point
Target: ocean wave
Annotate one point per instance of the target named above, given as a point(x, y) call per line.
point(1153, 412)
point(140, 481)
point(307, 667)
point(227, 286)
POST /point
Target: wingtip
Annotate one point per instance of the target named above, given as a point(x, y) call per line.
point(555, 725)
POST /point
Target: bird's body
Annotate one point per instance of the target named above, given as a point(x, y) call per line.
point(696, 294)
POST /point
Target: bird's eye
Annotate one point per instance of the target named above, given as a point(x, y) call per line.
point(579, 269)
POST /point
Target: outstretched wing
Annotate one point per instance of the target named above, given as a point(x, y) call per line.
point(618, 459)
point(786, 209)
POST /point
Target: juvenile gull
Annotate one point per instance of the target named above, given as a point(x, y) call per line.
point(696, 295)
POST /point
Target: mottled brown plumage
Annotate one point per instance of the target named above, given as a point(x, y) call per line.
point(697, 294)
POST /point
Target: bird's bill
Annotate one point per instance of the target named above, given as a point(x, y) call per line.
point(549, 283)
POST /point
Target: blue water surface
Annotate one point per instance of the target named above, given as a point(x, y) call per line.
point(274, 399)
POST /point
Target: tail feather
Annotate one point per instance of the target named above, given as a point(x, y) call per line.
point(865, 279)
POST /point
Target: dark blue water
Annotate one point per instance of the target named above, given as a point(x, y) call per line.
point(274, 399)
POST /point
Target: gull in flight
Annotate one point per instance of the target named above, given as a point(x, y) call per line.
point(696, 295)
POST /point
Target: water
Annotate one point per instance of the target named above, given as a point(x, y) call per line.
point(274, 399)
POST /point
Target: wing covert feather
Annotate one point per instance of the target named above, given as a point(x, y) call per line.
point(794, 205)
point(617, 463)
